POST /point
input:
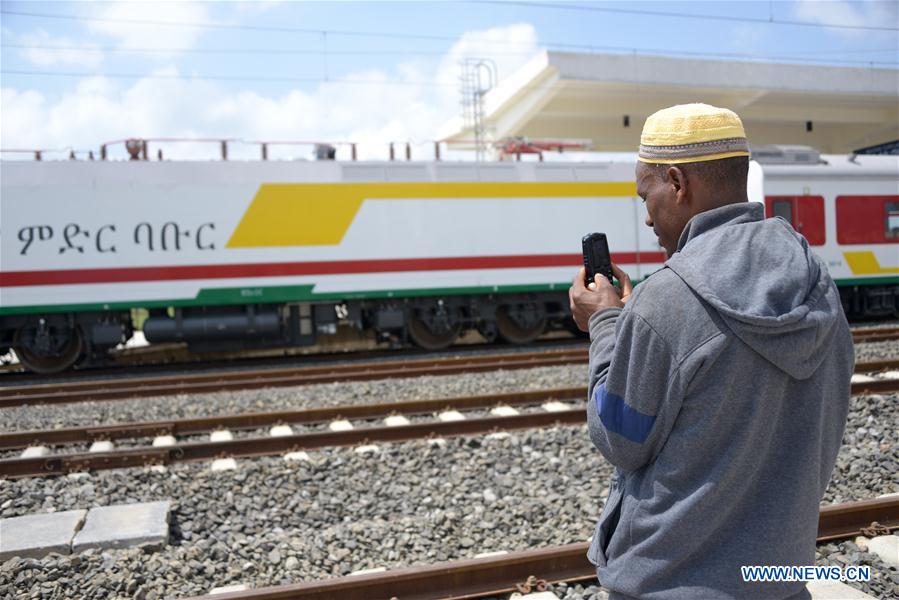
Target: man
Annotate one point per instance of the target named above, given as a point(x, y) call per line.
point(719, 387)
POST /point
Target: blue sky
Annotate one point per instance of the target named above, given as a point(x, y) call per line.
point(279, 69)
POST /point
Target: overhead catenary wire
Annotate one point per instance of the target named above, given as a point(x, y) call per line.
point(317, 51)
point(273, 79)
point(249, 51)
point(671, 14)
point(419, 36)
point(225, 78)
point(325, 51)
point(264, 28)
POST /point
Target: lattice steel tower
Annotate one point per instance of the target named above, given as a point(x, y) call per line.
point(477, 77)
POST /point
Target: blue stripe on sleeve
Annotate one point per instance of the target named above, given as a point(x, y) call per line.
point(620, 418)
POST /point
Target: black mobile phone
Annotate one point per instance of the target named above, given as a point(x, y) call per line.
point(596, 256)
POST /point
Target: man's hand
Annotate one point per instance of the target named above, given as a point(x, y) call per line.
point(586, 300)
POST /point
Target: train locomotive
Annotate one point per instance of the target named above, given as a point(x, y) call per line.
point(233, 255)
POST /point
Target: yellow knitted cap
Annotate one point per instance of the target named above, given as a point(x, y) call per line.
point(692, 133)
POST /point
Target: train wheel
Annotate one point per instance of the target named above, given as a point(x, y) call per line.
point(434, 327)
point(45, 348)
point(571, 326)
point(488, 331)
point(520, 323)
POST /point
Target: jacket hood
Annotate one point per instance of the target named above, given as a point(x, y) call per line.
point(765, 283)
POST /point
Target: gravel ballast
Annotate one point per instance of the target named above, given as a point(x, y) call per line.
point(866, 464)
point(871, 351)
point(272, 522)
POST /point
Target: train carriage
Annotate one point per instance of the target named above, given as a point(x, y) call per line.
point(244, 254)
point(847, 207)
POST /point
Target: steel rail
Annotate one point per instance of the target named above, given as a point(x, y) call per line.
point(875, 366)
point(330, 368)
point(874, 386)
point(456, 580)
point(875, 335)
point(839, 521)
point(117, 389)
point(858, 336)
point(69, 435)
point(194, 426)
point(494, 575)
point(61, 464)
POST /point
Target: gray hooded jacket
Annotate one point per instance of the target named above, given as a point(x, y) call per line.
point(720, 393)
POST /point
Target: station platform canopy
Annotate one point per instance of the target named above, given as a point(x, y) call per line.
point(605, 98)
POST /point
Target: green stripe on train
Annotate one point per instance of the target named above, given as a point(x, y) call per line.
point(867, 281)
point(304, 293)
point(279, 294)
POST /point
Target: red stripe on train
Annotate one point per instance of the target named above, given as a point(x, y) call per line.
point(344, 267)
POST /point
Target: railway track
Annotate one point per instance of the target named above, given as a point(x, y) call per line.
point(196, 426)
point(194, 383)
point(61, 464)
point(861, 336)
point(287, 441)
point(15, 373)
point(530, 570)
point(186, 427)
point(201, 382)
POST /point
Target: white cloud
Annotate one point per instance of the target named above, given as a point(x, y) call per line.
point(124, 17)
point(380, 108)
point(508, 47)
point(49, 51)
point(22, 112)
point(872, 13)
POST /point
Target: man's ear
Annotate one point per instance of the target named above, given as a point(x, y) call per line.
point(678, 180)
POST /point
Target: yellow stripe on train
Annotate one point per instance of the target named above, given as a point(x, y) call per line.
point(865, 263)
point(319, 214)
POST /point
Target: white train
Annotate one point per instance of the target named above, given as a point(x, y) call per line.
point(240, 254)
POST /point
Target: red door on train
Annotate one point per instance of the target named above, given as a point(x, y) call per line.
point(804, 213)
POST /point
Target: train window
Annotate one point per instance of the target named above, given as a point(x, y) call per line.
point(892, 220)
point(783, 209)
point(867, 219)
point(804, 213)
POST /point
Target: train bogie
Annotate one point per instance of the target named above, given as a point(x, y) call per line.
point(54, 342)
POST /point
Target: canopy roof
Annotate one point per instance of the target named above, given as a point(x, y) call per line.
point(569, 95)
